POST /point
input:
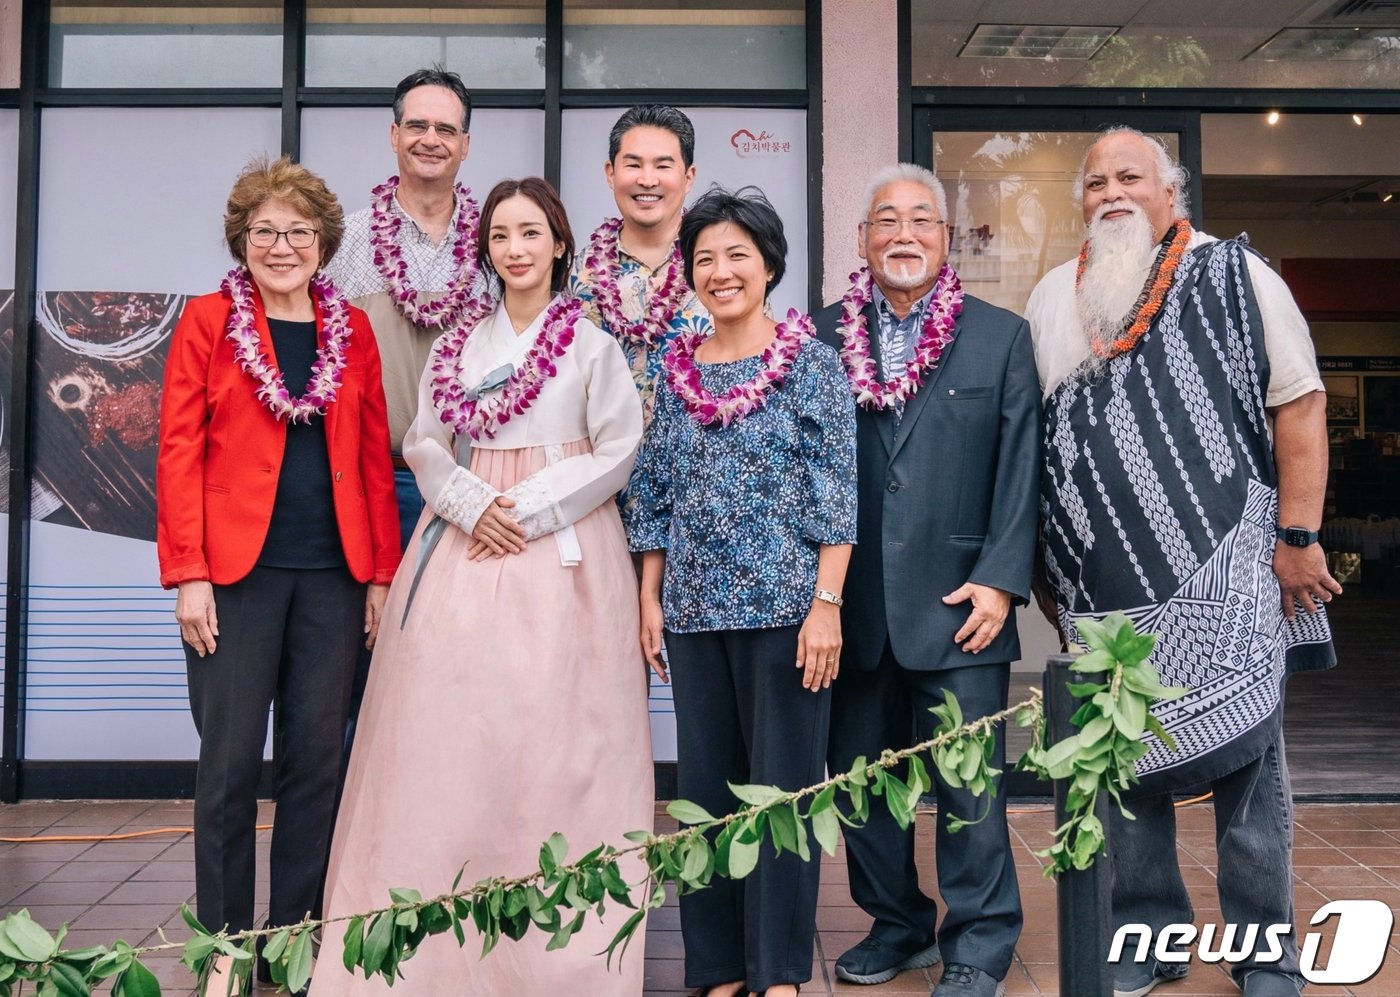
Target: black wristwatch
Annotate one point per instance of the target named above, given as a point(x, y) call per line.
point(1296, 536)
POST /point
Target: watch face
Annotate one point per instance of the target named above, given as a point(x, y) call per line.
point(1296, 536)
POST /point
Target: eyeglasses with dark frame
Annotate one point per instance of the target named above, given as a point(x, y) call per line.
point(265, 236)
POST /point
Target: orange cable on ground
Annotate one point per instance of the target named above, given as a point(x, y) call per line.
point(45, 839)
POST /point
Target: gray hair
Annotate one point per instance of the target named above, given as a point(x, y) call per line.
point(1169, 171)
point(910, 173)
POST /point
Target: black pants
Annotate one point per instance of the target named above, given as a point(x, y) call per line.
point(878, 709)
point(289, 635)
point(742, 716)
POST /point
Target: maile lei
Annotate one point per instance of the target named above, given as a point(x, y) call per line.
point(326, 372)
point(934, 336)
point(483, 417)
point(663, 300)
point(683, 375)
point(1154, 292)
point(438, 313)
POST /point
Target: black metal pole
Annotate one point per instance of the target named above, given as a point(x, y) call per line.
point(1083, 897)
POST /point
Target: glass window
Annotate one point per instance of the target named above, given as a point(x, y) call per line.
point(1160, 43)
point(9, 161)
point(499, 45)
point(758, 46)
point(9, 43)
point(1010, 206)
point(141, 44)
point(124, 238)
point(349, 148)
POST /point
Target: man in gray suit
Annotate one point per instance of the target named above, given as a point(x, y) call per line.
point(948, 454)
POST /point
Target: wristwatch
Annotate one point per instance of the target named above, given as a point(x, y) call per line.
point(830, 597)
point(1296, 536)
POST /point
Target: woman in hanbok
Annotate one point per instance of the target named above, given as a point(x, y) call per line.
point(508, 700)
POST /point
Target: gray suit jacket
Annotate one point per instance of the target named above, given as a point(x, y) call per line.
point(953, 498)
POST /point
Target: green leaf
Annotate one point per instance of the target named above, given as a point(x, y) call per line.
point(68, 981)
point(1095, 730)
point(756, 795)
point(689, 813)
point(276, 945)
point(137, 981)
point(822, 801)
point(856, 774)
point(826, 827)
point(1091, 633)
point(558, 847)
point(697, 862)
point(299, 962)
point(624, 936)
point(400, 895)
point(1131, 716)
point(784, 826)
point(743, 856)
point(25, 941)
point(353, 943)
point(377, 940)
point(193, 921)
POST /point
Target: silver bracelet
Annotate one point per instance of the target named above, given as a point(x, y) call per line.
point(830, 597)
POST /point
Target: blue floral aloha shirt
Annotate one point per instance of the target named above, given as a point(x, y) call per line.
point(743, 510)
point(634, 282)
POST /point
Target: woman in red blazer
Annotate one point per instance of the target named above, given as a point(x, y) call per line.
point(276, 519)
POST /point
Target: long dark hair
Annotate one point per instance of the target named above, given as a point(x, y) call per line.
point(542, 193)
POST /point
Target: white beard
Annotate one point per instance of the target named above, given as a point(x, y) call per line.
point(1120, 259)
point(900, 273)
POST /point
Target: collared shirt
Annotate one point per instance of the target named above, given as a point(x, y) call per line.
point(634, 279)
point(404, 348)
point(742, 510)
point(1061, 345)
point(899, 338)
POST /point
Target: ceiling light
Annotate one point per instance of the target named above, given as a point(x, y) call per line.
point(1036, 41)
point(1272, 118)
point(1329, 45)
point(1358, 119)
point(1386, 199)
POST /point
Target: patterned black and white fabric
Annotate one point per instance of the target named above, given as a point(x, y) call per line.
point(1159, 499)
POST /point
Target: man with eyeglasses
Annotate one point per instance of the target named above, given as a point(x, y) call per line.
point(409, 259)
point(948, 443)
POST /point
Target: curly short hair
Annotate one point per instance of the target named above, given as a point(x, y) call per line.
point(282, 180)
point(747, 208)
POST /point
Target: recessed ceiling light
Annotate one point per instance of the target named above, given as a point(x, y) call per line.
point(1358, 119)
point(1273, 117)
point(1036, 41)
point(1329, 45)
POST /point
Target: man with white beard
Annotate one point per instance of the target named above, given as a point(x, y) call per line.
point(947, 452)
point(1185, 466)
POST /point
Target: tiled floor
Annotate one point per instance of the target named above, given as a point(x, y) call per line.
point(132, 889)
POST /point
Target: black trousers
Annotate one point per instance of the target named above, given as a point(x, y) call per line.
point(288, 635)
point(742, 716)
point(874, 710)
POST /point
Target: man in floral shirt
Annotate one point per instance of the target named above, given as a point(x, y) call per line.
point(630, 276)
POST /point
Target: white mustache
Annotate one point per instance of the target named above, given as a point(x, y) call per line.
point(1108, 206)
point(919, 254)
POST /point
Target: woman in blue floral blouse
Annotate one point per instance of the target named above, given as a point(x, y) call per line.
point(745, 512)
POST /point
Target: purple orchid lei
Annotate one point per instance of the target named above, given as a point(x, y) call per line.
point(934, 336)
point(683, 375)
point(484, 417)
point(665, 298)
point(326, 372)
point(436, 313)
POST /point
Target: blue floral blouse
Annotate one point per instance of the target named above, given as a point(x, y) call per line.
point(743, 510)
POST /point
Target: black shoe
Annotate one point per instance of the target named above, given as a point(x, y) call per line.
point(876, 961)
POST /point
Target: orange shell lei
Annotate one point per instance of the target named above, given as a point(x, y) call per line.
point(1156, 292)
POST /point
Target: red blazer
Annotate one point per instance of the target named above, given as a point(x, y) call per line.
point(221, 452)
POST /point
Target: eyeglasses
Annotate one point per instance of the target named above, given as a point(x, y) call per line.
point(265, 237)
point(918, 226)
point(418, 129)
